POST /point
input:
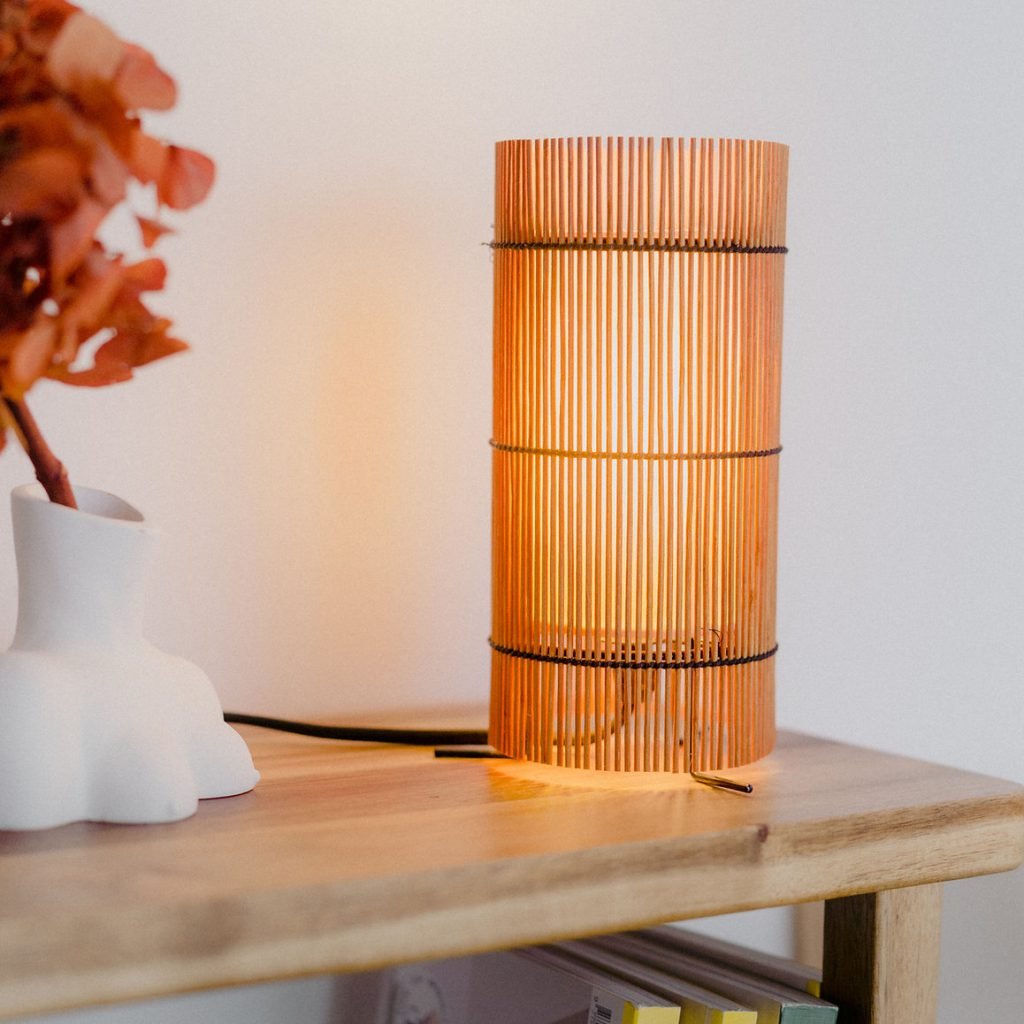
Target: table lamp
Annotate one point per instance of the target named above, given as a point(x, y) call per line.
point(637, 341)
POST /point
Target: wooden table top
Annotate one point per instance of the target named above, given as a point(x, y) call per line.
point(355, 856)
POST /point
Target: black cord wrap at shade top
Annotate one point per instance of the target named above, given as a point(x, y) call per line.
point(644, 246)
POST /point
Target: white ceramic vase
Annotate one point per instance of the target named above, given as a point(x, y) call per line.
point(97, 724)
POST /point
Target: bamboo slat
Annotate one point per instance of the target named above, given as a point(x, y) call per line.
point(637, 340)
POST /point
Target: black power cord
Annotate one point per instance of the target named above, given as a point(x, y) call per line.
point(361, 734)
point(438, 738)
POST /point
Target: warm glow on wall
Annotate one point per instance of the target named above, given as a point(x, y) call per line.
point(637, 339)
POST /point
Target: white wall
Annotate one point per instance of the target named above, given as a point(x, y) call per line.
point(320, 462)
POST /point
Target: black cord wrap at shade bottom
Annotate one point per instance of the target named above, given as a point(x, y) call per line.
point(361, 734)
point(560, 659)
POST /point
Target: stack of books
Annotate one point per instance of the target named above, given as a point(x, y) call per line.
point(656, 976)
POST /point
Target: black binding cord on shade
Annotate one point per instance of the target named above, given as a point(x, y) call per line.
point(644, 245)
point(569, 453)
point(664, 663)
point(712, 781)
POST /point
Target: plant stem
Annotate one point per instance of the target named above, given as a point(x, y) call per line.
point(50, 471)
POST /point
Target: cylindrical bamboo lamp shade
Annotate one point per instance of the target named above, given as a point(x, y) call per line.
point(637, 342)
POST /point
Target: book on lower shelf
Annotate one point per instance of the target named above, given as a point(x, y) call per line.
point(652, 976)
point(696, 1005)
point(612, 1000)
point(775, 1003)
point(543, 986)
point(753, 961)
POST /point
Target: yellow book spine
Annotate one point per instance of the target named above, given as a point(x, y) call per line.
point(733, 1017)
point(650, 1014)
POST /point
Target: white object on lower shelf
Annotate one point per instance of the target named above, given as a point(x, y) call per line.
point(97, 724)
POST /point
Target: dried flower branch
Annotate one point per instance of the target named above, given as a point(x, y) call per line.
point(71, 139)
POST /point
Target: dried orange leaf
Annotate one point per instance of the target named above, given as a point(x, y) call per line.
point(45, 18)
point(107, 368)
point(72, 238)
point(84, 315)
point(44, 183)
point(146, 275)
point(141, 82)
point(42, 9)
point(152, 230)
point(84, 51)
point(116, 359)
point(71, 137)
point(108, 176)
point(186, 179)
point(34, 125)
point(147, 157)
point(155, 345)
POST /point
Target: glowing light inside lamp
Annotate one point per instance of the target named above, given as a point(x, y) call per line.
point(637, 342)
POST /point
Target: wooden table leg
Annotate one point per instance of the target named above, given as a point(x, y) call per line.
point(882, 956)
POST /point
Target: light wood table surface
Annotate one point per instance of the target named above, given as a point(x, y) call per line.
point(348, 857)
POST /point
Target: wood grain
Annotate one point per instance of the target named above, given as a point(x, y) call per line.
point(882, 955)
point(351, 856)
